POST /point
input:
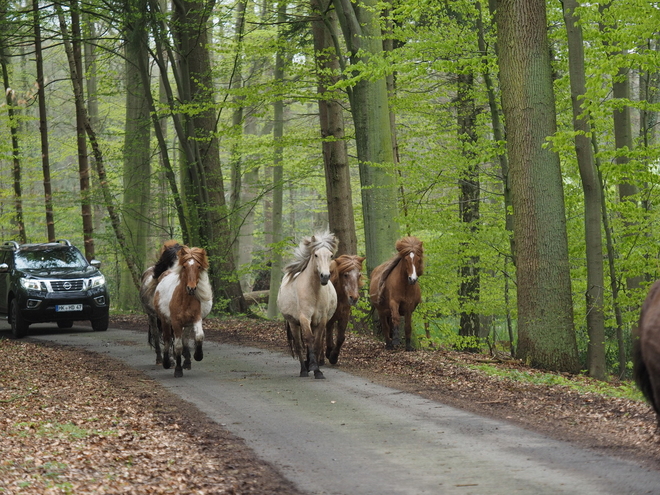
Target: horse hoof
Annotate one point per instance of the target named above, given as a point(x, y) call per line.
point(304, 374)
point(187, 365)
point(178, 373)
point(333, 359)
point(389, 346)
point(199, 354)
point(409, 348)
point(166, 363)
point(319, 375)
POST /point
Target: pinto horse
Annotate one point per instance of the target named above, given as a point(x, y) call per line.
point(646, 350)
point(346, 277)
point(394, 290)
point(168, 256)
point(307, 301)
point(183, 298)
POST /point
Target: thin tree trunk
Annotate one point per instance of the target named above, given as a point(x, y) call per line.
point(43, 124)
point(15, 151)
point(468, 205)
point(592, 196)
point(76, 70)
point(331, 117)
point(278, 173)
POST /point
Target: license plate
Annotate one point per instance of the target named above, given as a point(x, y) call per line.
point(68, 307)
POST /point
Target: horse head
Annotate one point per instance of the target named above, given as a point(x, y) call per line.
point(347, 276)
point(411, 252)
point(193, 262)
point(322, 259)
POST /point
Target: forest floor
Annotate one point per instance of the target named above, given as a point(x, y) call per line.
point(78, 422)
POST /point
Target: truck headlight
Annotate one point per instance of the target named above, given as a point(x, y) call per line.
point(30, 284)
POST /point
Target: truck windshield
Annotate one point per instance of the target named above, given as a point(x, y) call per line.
point(50, 258)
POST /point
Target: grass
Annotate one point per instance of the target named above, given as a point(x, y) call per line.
point(581, 384)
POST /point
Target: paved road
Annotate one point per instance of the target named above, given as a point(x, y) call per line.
point(345, 435)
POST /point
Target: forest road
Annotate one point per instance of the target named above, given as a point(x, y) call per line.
point(345, 435)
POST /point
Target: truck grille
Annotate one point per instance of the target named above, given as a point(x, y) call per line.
point(66, 285)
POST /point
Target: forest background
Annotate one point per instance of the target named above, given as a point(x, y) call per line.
point(517, 139)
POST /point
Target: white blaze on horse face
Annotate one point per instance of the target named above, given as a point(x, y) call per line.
point(413, 277)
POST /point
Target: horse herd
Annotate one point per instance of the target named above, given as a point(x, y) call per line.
point(315, 298)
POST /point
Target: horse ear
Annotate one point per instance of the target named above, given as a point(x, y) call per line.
point(361, 259)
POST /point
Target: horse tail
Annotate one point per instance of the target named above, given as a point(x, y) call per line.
point(289, 337)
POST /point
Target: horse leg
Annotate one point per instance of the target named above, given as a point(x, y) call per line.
point(408, 327)
point(167, 343)
point(394, 322)
point(385, 325)
point(309, 341)
point(328, 338)
point(178, 350)
point(298, 347)
point(154, 337)
point(319, 334)
point(341, 335)
point(199, 340)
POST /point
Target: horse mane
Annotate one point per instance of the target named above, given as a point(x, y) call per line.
point(404, 247)
point(168, 256)
point(346, 263)
point(204, 291)
point(307, 246)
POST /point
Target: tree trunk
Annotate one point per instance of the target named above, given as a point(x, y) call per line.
point(196, 86)
point(592, 196)
point(43, 124)
point(331, 117)
point(468, 205)
point(76, 71)
point(137, 152)
point(371, 118)
point(15, 151)
point(278, 173)
point(546, 336)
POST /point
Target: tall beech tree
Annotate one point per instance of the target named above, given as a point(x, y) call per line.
point(368, 97)
point(546, 335)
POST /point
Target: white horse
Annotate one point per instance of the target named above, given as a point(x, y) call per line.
point(307, 301)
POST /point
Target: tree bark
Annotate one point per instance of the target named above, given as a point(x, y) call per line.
point(278, 173)
point(592, 196)
point(371, 118)
point(137, 150)
point(43, 123)
point(546, 336)
point(331, 118)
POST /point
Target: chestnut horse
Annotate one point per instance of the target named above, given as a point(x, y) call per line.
point(148, 287)
point(394, 290)
point(646, 350)
point(346, 277)
point(307, 301)
point(183, 298)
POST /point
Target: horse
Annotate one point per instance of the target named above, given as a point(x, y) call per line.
point(183, 298)
point(394, 290)
point(346, 277)
point(646, 350)
point(307, 301)
point(167, 258)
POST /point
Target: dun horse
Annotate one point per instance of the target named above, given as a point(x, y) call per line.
point(183, 298)
point(147, 289)
point(394, 290)
point(646, 350)
point(346, 277)
point(307, 301)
